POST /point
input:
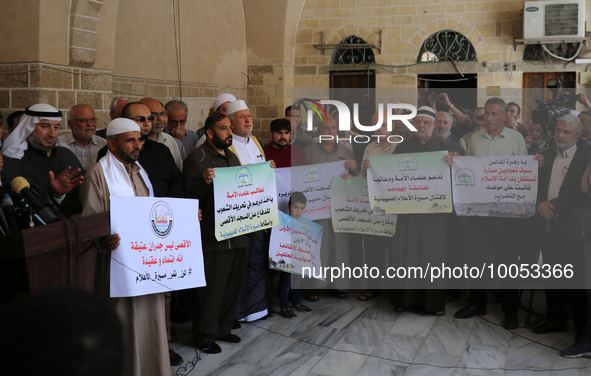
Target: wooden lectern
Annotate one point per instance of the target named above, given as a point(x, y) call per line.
point(40, 257)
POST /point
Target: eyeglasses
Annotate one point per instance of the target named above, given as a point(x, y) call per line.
point(161, 114)
point(86, 120)
point(142, 119)
point(481, 117)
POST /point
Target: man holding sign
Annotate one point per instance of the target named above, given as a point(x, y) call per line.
point(254, 302)
point(411, 246)
point(335, 247)
point(118, 174)
point(224, 261)
point(491, 235)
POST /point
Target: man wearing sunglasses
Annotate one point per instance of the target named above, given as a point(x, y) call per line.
point(82, 141)
point(160, 122)
point(154, 157)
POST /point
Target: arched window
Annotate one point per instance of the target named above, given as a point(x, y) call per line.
point(447, 43)
point(353, 50)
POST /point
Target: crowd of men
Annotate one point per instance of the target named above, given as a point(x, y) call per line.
point(146, 151)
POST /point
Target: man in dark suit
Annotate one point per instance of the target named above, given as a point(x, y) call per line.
point(561, 203)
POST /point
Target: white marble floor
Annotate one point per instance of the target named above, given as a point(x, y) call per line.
point(350, 337)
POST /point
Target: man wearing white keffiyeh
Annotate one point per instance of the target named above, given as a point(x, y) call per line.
point(119, 174)
point(30, 151)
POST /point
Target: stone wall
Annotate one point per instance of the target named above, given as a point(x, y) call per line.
point(403, 26)
point(199, 97)
point(24, 84)
point(269, 93)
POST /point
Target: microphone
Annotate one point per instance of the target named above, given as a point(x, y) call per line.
point(55, 208)
point(21, 186)
point(22, 211)
point(4, 228)
point(8, 208)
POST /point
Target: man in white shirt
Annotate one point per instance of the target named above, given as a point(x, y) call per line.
point(82, 141)
point(246, 146)
point(253, 303)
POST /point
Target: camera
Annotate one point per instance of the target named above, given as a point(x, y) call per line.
point(548, 112)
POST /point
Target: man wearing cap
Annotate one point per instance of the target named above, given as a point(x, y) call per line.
point(119, 174)
point(220, 104)
point(410, 243)
point(280, 150)
point(30, 152)
point(253, 302)
point(224, 261)
point(154, 156)
point(222, 101)
point(82, 140)
point(162, 172)
point(177, 149)
point(246, 146)
point(177, 112)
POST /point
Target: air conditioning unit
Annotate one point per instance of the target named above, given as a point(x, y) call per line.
point(554, 19)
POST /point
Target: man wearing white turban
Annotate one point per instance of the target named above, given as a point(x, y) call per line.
point(220, 104)
point(254, 302)
point(119, 174)
point(222, 101)
point(30, 151)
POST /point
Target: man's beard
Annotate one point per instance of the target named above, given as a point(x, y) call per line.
point(222, 143)
point(566, 145)
point(37, 144)
point(83, 136)
point(157, 131)
point(279, 146)
point(442, 136)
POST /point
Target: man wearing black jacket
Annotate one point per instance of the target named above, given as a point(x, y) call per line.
point(560, 206)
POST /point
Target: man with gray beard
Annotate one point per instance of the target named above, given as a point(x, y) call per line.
point(443, 122)
point(561, 205)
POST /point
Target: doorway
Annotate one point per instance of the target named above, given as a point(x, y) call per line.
point(461, 90)
point(352, 87)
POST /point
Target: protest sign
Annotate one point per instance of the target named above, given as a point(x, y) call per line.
point(245, 199)
point(410, 183)
point(295, 244)
point(352, 213)
point(160, 248)
point(495, 186)
point(313, 181)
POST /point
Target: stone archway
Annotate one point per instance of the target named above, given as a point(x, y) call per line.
point(415, 43)
point(338, 35)
point(360, 31)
